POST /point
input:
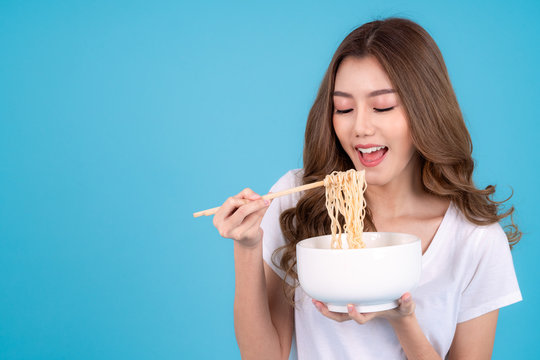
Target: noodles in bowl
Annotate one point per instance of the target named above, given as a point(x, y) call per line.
point(372, 270)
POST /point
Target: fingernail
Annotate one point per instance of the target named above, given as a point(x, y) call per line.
point(350, 307)
point(266, 202)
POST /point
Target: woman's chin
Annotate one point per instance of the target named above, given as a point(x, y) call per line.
point(375, 179)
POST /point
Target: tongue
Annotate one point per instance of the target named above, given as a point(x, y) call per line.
point(374, 156)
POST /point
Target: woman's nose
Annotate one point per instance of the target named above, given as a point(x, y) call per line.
point(363, 125)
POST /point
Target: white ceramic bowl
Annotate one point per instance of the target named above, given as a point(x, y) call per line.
point(372, 278)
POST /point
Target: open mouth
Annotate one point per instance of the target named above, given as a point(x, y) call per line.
point(373, 155)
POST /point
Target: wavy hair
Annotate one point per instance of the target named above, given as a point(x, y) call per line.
point(416, 69)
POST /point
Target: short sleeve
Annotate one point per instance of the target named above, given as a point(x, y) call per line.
point(272, 236)
point(493, 283)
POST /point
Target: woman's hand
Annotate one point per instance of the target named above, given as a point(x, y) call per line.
point(240, 216)
point(403, 311)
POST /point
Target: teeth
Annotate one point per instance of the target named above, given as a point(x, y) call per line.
point(371, 149)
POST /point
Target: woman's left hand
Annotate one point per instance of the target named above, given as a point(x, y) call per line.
point(405, 309)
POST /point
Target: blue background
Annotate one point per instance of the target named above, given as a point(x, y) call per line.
point(120, 119)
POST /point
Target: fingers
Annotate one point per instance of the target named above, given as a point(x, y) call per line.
point(240, 216)
point(360, 318)
point(247, 193)
point(406, 305)
point(248, 211)
point(250, 226)
point(406, 308)
point(323, 309)
point(233, 225)
point(255, 219)
point(233, 203)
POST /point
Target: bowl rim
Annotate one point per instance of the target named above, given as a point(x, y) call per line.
point(410, 243)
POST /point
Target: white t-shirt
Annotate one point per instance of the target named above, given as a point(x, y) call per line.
point(467, 271)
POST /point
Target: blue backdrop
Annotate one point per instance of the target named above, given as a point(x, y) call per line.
point(119, 119)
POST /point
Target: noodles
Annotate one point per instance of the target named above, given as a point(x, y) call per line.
point(345, 196)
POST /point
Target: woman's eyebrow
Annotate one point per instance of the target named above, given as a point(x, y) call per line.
point(341, 93)
point(381, 92)
point(371, 94)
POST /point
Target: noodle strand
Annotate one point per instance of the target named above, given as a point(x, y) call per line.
point(345, 196)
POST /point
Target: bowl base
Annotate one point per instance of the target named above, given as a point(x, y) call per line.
point(365, 308)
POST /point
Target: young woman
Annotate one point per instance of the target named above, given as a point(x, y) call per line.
point(385, 105)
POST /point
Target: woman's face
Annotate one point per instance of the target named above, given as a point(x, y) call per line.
point(370, 122)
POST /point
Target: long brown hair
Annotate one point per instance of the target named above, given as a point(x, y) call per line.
point(417, 71)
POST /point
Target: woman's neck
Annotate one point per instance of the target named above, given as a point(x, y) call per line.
point(399, 197)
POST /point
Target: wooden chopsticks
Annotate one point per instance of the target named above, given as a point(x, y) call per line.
point(267, 197)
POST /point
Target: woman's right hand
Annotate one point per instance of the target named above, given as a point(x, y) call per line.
point(240, 216)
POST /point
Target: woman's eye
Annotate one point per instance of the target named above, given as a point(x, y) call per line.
point(383, 110)
point(343, 111)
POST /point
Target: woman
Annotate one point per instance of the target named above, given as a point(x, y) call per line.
point(385, 105)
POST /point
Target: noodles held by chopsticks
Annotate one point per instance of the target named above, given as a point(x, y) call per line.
point(345, 195)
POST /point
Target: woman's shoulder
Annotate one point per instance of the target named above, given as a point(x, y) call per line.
point(475, 235)
point(291, 178)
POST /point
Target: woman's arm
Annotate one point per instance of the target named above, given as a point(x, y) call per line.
point(403, 320)
point(412, 339)
point(474, 339)
point(263, 319)
point(281, 311)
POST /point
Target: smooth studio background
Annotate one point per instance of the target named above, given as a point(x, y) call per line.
point(119, 119)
